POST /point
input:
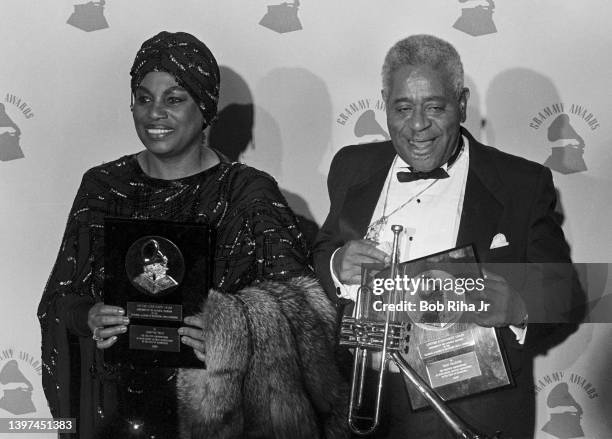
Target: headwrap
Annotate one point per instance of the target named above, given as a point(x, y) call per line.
point(189, 60)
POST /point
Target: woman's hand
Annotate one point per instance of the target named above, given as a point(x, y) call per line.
point(194, 336)
point(106, 323)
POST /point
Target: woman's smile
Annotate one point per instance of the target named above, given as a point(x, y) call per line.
point(158, 133)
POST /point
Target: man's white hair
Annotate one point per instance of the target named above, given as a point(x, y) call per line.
point(418, 50)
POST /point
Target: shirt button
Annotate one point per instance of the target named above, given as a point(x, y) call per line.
point(418, 200)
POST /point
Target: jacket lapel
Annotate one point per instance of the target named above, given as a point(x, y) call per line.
point(482, 203)
point(361, 198)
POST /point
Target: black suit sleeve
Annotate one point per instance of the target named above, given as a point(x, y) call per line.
point(329, 238)
point(551, 290)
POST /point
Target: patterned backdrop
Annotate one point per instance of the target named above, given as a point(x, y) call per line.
point(299, 81)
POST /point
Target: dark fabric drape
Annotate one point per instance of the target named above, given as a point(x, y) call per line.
point(257, 239)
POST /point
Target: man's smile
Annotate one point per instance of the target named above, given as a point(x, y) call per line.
point(421, 145)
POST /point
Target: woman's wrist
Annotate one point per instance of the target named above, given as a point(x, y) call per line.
point(77, 309)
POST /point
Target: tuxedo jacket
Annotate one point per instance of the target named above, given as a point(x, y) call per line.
point(503, 194)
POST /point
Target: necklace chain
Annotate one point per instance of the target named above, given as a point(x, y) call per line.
point(375, 229)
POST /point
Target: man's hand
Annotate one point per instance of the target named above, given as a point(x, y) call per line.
point(348, 259)
point(506, 306)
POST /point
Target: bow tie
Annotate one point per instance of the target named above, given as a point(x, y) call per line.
point(437, 174)
point(407, 177)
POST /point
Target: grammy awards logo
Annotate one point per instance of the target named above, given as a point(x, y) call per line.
point(282, 18)
point(88, 16)
point(565, 396)
point(364, 115)
point(476, 17)
point(17, 372)
point(564, 125)
point(10, 133)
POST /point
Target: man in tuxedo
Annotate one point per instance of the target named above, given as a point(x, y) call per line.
point(447, 190)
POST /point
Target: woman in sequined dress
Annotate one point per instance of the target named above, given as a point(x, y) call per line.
point(268, 348)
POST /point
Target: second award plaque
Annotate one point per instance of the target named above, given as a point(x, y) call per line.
point(159, 272)
point(455, 357)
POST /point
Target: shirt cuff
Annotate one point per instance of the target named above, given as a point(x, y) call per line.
point(520, 333)
point(342, 290)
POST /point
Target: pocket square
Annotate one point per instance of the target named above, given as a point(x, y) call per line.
point(498, 241)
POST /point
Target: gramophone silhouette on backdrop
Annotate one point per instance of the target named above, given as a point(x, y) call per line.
point(567, 147)
point(9, 138)
point(282, 18)
point(564, 421)
point(476, 18)
point(367, 125)
point(89, 16)
point(16, 390)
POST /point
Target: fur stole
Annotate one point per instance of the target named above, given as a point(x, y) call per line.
point(270, 367)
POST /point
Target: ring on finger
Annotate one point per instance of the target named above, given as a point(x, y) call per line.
point(95, 335)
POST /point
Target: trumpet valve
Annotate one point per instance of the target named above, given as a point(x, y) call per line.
point(370, 335)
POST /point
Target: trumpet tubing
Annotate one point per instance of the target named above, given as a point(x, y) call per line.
point(389, 338)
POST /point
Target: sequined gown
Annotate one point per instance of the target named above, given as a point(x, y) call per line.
point(257, 239)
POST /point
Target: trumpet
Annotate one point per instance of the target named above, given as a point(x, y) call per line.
point(389, 338)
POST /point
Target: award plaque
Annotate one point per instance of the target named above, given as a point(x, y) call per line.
point(455, 357)
point(159, 272)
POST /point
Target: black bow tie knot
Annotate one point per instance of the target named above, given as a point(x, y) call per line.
point(436, 174)
point(406, 177)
